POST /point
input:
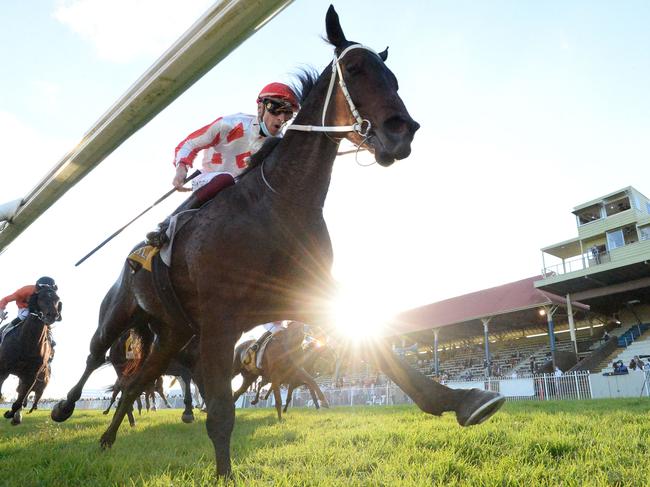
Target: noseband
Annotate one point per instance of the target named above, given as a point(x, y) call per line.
point(362, 126)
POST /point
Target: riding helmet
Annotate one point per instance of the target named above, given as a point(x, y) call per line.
point(46, 282)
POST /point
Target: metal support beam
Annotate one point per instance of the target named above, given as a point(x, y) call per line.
point(550, 311)
point(215, 35)
point(486, 322)
point(572, 326)
point(435, 352)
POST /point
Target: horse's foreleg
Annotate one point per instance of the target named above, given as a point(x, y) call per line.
point(3, 377)
point(217, 348)
point(15, 412)
point(109, 329)
point(472, 406)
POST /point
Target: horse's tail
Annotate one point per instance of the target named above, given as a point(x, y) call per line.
point(140, 347)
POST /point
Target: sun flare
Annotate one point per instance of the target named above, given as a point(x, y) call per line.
point(357, 315)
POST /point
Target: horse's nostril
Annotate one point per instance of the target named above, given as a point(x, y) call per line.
point(398, 124)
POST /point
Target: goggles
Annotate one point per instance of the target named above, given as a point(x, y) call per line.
point(277, 107)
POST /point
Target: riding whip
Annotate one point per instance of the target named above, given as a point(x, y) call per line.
point(117, 232)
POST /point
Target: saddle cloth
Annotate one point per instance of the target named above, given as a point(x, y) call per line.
point(252, 361)
point(142, 257)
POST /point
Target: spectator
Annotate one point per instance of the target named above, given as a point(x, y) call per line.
point(532, 364)
point(620, 368)
point(558, 372)
point(605, 336)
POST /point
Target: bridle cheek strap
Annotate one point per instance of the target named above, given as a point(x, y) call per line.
point(362, 125)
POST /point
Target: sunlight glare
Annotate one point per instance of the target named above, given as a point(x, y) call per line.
point(359, 316)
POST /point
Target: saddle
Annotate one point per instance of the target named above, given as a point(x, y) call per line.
point(252, 361)
point(9, 328)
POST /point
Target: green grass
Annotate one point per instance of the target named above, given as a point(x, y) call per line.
point(590, 443)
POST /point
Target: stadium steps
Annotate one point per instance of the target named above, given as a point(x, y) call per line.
point(640, 346)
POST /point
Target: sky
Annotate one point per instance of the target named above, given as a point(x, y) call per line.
point(526, 108)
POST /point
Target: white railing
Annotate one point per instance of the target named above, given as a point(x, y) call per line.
point(576, 264)
point(574, 385)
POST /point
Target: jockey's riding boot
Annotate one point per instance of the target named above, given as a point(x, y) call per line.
point(159, 236)
point(256, 346)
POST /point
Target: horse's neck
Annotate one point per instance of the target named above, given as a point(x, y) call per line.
point(32, 332)
point(301, 166)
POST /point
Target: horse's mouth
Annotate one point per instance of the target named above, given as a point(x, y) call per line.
point(383, 155)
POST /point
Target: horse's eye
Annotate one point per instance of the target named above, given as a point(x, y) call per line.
point(353, 68)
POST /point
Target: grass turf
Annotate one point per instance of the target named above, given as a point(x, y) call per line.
point(600, 442)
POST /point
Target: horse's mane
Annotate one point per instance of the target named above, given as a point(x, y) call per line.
point(32, 303)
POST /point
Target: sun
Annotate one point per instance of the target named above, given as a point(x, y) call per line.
point(358, 315)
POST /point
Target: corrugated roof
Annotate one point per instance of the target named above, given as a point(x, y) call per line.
point(501, 300)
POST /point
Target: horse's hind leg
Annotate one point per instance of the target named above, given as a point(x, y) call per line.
point(117, 313)
point(153, 366)
point(289, 397)
point(188, 414)
point(307, 379)
point(248, 380)
point(116, 391)
point(37, 397)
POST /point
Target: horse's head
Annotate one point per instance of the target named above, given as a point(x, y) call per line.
point(372, 91)
point(46, 305)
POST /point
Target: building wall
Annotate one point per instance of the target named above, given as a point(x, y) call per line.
point(599, 227)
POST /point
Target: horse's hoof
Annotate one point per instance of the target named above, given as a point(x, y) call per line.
point(187, 418)
point(106, 441)
point(478, 406)
point(9, 414)
point(17, 419)
point(254, 402)
point(61, 411)
point(105, 412)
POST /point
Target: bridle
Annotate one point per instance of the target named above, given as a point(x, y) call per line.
point(362, 125)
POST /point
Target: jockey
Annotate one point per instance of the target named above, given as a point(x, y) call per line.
point(228, 143)
point(21, 298)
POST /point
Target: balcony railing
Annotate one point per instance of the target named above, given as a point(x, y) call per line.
point(576, 264)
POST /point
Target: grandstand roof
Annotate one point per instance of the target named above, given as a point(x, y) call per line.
point(511, 306)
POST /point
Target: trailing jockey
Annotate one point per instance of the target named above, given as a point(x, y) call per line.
point(21, 298)
point(228, 143)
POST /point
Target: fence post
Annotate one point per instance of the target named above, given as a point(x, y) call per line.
point(546, 387)
point(575, 375)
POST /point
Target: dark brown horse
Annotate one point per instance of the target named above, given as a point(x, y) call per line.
point(316, 360)
point(25, 352)
point(139, 342)
point(281, 364)
point(260, 252)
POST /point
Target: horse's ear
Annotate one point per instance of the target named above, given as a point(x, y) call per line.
point(384, 54)
point(334, 32)
point(59, 308)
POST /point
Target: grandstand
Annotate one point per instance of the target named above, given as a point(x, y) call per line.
point(596, 282)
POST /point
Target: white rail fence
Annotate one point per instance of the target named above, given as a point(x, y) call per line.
point(575, 385)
